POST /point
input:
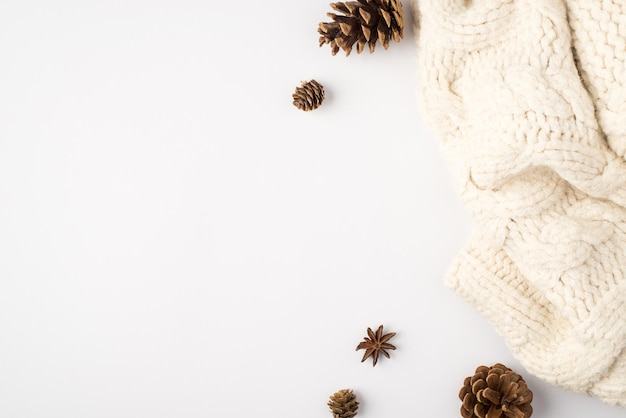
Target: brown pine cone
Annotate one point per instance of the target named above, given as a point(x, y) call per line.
point(495, 392)
point(343, 404)
point(309, 96)
point(362, 22)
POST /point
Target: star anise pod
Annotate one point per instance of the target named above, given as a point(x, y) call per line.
point(376, 344)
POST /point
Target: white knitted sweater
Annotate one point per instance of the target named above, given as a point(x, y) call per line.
point(528, 100)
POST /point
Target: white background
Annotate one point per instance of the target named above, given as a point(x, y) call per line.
point(178, 240)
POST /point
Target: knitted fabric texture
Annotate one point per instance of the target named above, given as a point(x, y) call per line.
point(528, 100)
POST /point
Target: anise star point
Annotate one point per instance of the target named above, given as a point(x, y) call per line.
point(376, 343)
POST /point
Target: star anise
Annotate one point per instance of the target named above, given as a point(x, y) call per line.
point(376, 344)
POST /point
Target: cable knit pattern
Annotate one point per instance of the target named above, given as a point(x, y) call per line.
point(599, 37)
point(527, 98)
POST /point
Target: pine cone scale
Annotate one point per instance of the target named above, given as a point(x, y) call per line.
point(383, 37)
point(493, 381)
point(367, 17)
point(468, 401)
point(494, 412)
point(396, 36)
point(345, 28)
point(513, 412)
point(479, 410)
point(367, 33)
point(387, 16)
point(341, 8)
point(478, 386)
point(489, 395)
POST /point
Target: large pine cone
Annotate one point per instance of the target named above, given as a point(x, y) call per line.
point(343, 404)
point(495, 392)
point(308, 96)
point(363, 22)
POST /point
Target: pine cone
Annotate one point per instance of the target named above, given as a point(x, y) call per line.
point(496, 392)
point(343, 404)
point(309, 96)
point(363, 22)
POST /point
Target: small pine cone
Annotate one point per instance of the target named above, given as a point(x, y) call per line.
point(309, 96)
point(362, 22)
point(343, 404)
point(497, 392)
